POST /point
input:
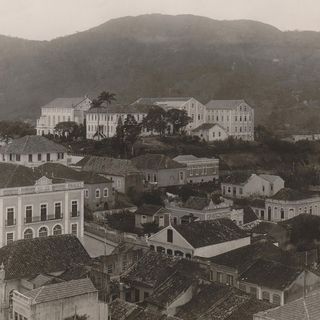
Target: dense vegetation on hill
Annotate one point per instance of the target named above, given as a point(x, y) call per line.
point(158, 55)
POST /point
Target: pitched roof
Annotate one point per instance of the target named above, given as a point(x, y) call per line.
point(242, 258)
point(207, 126)
point(190, 157)
point(32, 144)
point(60, 291)
point(64, 102)
point(307, 308)
point(28, 257)
point(275, 274)
point(270, 177)
point(56, 170)
point(154, 161)
point(204, 233)
point(237, 178)
point(150, 210)
point(106, 165)
point(249, 215)
point(163, 100)
point(288, 194)
point(125, 109)
point(224, 104)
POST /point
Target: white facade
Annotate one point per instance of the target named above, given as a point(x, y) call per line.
point(235, 116)
point(41, 210)
point(62, 110)
point(210, 132)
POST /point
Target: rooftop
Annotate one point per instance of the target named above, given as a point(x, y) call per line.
point(207, 126)
point(270, 177)
point(65, 102)
point(62, 290)
point(106, 165)
point(307, 308)
point(155, 161)
point(162, 100)
point(150, 210)
point(287, 194)
point(237, 178)
point(204, 233)
point(32, 145)
point(190, 157)
point(275, 274)
point(125, 109)
point(30, 257)
point(224, 104)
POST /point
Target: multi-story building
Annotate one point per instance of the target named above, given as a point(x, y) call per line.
point(199, 169)
point(102, 122)
point(62, 110)
point(33, 151)
point(32, 205)
point(195, 109)
point(235, 116)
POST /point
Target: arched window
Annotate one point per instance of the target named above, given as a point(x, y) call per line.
point(178, 253)
point(188, 256)
point(106, 192)
point(28, 234)
point(282, 213)
point(169, 252)
point(97, 193)
point(43, 232)
point(161, 249)
point(57, 230)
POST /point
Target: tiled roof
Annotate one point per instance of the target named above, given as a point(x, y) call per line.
point(122, 109)
point(224, 104)
point(31, 145)
point(196, 203)
point(155, 161)
point(204, 233)
point(56, 170)
point(242, 258)
point(207, 126)
point(30, 257)
point(61, 291)
point(287, 194)
point(109, 166)
point(275, 274)
point(64, 102)
point(249, 215)
point(307, 308)
point(237, 178)
point(150, 210)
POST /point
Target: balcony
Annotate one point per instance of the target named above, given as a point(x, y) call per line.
point(74, 214)
point(10, 222)
point(49, 217)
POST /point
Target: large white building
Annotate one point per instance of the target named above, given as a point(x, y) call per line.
point(235, 116)
point(195, 109)
point(62, 110)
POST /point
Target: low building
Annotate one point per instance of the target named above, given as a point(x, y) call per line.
point(98, 192)
point(62, 110)
point(210, 132)
point(305, 308)
point(203, 209)
point(33, 205)
point(160, 171)
point(33, 151)
point(202, 239)
point(236, 117)
point(288, 203)
point(199, 169)
point(148, 213)
point(61, 300)
point(251, 185)
point(123, 174)
point(276, 282)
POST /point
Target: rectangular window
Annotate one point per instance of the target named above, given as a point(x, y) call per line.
point(28, 214)
point(9, 237)
point(229, 280)
point(39, 157)
point(136, 295)
point(169, 235)
point(43, 212)
point(74, 229)
point(219, 277)
point(74, 208)
point(10, 217)
point(30, 157)
point(145, 295)
point(48, 156)
point(57, 210)
point(211, 275)
point(18, 157)
point(110, 268)
point(86, 193)
point(106, 192)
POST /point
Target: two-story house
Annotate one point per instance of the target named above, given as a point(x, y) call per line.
point(62, 110)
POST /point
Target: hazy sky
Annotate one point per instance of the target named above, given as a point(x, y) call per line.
point(47, 19)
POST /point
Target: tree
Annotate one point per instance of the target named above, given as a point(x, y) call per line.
point(106, 96)
point(150, 228)
point(178, 119)
point(131, 130)
point(15, 129)
point(156, 120)
point(66, 129)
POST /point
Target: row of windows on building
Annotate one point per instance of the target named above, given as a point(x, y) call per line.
point(44, 216)
point(227, 118)
point(200, 117)
point(59, 119)
point(43, 231)
point(170, 252)
point(97, 193)
point(18, 316)
point(106, 117)
point(279, 213)
point(33, 157)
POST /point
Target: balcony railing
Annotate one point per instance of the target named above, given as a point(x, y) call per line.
point(10, 222)
point(48, 217)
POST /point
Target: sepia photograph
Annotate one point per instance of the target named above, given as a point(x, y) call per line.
point(159, 160)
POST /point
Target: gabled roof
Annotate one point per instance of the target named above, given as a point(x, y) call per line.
point(150, 210)
point(31, 145)
point(205, 233)
point(207, 126)
point(237, 178)
point(270, 177)
point(122, 109)
point(65, 102)
point(61, 291)
point(109, 166)
point(242, 258)
point(155, 161)
point(287, 194)
point(30, 257)
point(270, 274)
point(224, 104)
point(56, 170)
point(307, 308)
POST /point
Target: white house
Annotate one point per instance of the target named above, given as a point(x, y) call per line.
point(235, 116)
point(242, 186)
point(62, 110)
point(202, 239)
point(210, 132)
